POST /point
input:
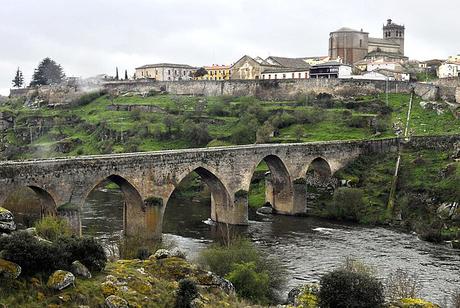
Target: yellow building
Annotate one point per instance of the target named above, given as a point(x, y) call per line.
point(216, 72)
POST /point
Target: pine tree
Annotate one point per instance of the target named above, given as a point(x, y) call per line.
point(126, 74)
point(116, 73)
point(18, 80)
point(48, 72)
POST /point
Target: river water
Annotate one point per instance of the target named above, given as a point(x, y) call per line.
point(307, 247)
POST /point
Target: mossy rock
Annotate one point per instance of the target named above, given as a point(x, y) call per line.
point(60, 280)
point(114, 301)
point(9, 270)
point(413, 303)
point(109, 288)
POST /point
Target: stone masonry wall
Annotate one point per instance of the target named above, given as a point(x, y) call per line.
point(276, 89)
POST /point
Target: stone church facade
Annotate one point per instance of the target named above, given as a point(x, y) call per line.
point(355, 45)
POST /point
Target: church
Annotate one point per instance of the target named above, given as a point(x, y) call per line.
point(352, 46)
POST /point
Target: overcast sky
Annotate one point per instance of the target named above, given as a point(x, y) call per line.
point(89, 37)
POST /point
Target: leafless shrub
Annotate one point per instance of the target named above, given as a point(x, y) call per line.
point(456, 298)
point(402, 284)
point(357, 266)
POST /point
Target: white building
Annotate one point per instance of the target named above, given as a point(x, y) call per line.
point(287, 73)
point(165, 72)
point(331, 69)
point(449, 70)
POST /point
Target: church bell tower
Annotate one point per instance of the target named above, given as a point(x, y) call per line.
point(394, 32)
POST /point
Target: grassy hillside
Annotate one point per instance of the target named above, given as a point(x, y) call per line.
point(186, 121)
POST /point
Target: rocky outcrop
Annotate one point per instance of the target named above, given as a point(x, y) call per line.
point(212, 281)
point(7, 223)
point(60, 280)
point(79, 269)
point(449, 210)
point(9, 270)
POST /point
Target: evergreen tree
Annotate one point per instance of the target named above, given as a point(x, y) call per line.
point(18, 80)
point(116, 73)
point(47, 72)
point(126, 74)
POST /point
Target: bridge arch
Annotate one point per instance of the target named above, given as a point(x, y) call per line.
point(30, 203)
point(278, 184)
point(220, 198)
point(133, 204)
point(319, 167)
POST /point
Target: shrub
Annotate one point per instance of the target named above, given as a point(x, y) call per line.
point(223, 259)
point(357, 122)
point(186, 294)
point(249, 282)
point(52, 227)
point(347, 204)
point(342, 288)
point(456, 298)
point(32, 255)
point(86, 250)
point(402, 284)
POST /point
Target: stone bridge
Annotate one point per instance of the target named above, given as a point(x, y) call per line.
point(148, 179)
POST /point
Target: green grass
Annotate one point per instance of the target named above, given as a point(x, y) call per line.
point(95, 121)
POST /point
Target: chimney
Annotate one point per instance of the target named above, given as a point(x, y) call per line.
point(389, 21)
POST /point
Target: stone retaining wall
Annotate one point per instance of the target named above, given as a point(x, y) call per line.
point(276, 89)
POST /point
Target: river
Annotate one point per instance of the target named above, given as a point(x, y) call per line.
point(307, 247)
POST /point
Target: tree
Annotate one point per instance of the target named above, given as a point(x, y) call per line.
point(126, 74)
point(48, 72)
point(18, 80)
point(116, 73)
point(200, 72)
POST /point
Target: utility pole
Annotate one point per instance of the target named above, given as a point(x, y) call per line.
point(386, 90)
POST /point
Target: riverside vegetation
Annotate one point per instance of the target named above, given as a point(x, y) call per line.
point(93, 125)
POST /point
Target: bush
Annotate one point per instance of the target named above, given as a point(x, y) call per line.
point(186, 294)
point(402, 284)
point(357, 122)
point(456, 298)
point(32, 255)
point(36, 256)
point(86, 250)
point(223, 259)
point(52, 227)
point(249, 282)
point(342, 288)
point(347, 204)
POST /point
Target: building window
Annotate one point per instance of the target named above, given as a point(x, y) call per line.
point(276, 76)
point(269, 76)
point(169, 72)
point(360, 43)
point(300, 75)
point(284, 76)
point(293, 75)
